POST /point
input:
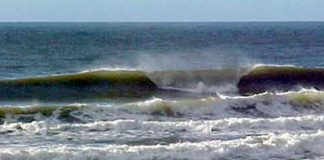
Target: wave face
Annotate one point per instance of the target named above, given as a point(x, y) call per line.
point(161, 91)
point(110, 84)
point(123, 83)
point(131, 83)
point(280, 78)
point(96, 84)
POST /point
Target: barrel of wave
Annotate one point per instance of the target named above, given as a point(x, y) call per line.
point(96, 84)
point(280, 78)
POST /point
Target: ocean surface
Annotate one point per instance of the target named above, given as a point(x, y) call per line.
point(162, 91)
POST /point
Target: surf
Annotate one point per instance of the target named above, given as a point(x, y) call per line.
point(101, 84)
point(112, 84)
point(280, 79)
point(210, 107)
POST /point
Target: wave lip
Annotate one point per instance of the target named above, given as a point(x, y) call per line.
point(280, 78)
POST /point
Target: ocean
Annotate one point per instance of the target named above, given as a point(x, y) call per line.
point(162, 91)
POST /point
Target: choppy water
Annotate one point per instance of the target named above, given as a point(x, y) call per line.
point(161, 90)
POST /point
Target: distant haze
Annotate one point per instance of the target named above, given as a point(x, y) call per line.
point(161, 10)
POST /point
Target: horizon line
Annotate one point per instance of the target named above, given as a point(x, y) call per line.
point(247, 21)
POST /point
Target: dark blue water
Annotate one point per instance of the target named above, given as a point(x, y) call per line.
point(30, 49)
point(161, 115)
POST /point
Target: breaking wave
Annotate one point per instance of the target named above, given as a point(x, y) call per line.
point(275, 122)
point(280, 78)
point(140, 84)
point(201, 139)
point(110, 84)
point(262, 105)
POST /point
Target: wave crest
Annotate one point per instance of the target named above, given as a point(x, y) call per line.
point(280, 78)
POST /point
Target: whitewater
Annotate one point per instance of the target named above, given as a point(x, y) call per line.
point(175, 123)
point(151, 91)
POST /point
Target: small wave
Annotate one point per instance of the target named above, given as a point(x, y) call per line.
point(269, 104)
point(269, 146)
point(309, 122)
point(266, 104)
point(37, 113)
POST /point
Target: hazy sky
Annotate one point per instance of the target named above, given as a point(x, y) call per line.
point(161, 10)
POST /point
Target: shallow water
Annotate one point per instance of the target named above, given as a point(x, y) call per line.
point(161, 91)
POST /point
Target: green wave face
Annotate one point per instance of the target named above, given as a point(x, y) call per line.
point(273, 78)
point(138, 84)
point(97, 84)
point(112, 84)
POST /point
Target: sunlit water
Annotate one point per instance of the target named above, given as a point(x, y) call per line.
point(209, 121)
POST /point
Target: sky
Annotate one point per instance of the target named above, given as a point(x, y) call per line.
point(161, 10)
